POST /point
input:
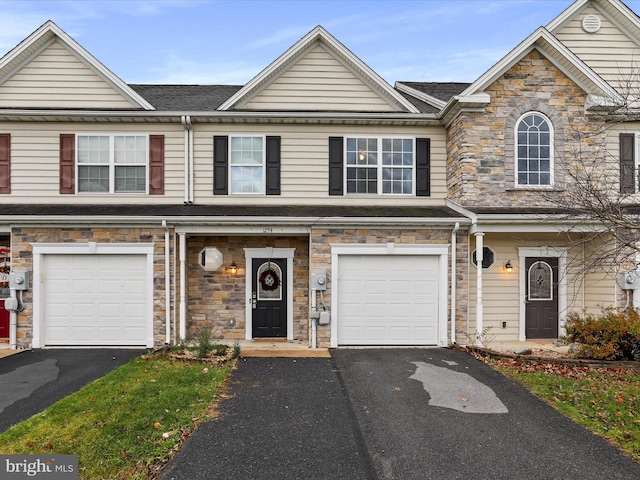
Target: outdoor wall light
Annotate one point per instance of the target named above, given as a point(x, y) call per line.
point(233, 268)
point(508, 267)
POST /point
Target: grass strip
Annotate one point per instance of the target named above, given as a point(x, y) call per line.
point(127, 424)
point(605, 401)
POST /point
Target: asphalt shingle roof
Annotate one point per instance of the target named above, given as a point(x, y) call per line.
point(190, 98)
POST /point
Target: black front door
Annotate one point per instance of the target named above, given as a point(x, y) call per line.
point(269, 298)
point(541, 297)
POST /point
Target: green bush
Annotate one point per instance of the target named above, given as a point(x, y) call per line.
point(612, 335)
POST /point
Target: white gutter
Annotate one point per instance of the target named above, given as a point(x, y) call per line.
point(167, 283)
point(453, 281)
point(183, 286)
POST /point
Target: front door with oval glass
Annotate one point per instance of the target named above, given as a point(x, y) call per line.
point(541, 297)
point(269, 298)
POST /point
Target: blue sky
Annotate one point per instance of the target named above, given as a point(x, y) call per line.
point(229, 42)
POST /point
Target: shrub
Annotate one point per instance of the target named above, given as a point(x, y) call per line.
point(612, 335)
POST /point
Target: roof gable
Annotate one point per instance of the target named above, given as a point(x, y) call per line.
point(609, 42)
point(51, 70)
point(319, 73)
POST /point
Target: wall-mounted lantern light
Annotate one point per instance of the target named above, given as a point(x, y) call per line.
point(233, 268)
point(508, 267)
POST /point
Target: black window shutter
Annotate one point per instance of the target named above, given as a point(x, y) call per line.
point(220, 165)
point(336, 168)
point(627, 163)
point(273, 166)
point(423, 167)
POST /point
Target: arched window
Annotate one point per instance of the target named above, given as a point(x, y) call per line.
point(534, 146)
point(540, 281)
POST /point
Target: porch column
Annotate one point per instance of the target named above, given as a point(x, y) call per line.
point(479, 259)
point(183, 285)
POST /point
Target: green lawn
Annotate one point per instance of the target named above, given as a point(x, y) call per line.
point(607, 402)
point(128, 423)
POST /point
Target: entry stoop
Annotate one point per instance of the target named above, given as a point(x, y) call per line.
point(270, 348)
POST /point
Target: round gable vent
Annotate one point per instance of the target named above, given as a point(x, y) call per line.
point(591, 23)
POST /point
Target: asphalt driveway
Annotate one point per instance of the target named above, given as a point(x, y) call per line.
point(389, 414)
point(33, 380)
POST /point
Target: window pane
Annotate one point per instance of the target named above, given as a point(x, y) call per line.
point(130, 149)
point(93, 149)
point(130, 179)
point(540, 281)
point(93, 179)
point(246, 180)
point(246, 151)
point(362, 180)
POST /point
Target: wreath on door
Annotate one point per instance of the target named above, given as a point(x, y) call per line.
point(269, 279)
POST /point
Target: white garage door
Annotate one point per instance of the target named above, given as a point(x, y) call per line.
point(95, 300)
point(388, 300)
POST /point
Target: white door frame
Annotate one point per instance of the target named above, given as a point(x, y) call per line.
point(267, 252)
point(554, 252)
point(88, 248)
point(391, 248)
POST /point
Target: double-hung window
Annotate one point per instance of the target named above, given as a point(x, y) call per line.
point(112, 163)
point(379, 165)
point(247, 165)
point(534, 147)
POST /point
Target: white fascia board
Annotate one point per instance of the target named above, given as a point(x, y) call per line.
point(566, 15)
point(46, 33)
point(317, 34)
point(433, 101)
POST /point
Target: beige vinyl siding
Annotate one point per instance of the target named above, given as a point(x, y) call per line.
point(501, 290)
point(56, 78)
point(304, 164)
point(319, 81)
point(609, 52)
point(35, 163)
point(601, 292)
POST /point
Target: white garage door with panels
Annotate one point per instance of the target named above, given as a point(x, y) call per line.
point(94, 299)
point(391, 297)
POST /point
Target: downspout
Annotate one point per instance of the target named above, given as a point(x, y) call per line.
point(183, 286)
point(453, 281)
point(167, 284)
point(479, 259)
point(188, 159)
point(13, 324)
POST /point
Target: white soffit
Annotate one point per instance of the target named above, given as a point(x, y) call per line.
point(43, 37)
point(298, 50)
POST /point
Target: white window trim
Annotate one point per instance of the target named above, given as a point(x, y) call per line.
point(380, 166)
point(551, 153)
point(391, 248)
point(112, 163)
point(88, 248)
point(263, 165)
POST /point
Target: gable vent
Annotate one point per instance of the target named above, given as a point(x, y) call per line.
point(591, 23)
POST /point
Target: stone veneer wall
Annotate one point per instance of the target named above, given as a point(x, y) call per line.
point(481, 159)
point(22, 260)
point(216, 300)
point(320, 259)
